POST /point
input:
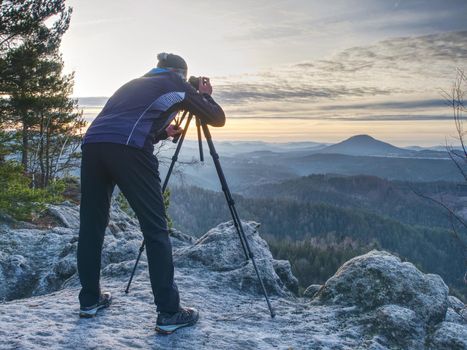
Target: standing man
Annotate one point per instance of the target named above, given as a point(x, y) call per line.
point(118, 150)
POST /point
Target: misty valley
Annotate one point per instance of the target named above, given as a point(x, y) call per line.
point(322, 204)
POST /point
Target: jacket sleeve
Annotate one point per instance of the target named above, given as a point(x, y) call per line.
point(204, 107)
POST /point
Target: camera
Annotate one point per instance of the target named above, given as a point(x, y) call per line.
point(194, 81)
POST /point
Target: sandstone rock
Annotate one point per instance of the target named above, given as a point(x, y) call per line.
point(379, 278)
point(463, 314)
point(284, 271)
point(455, 304)
point(66, 213)
point(17, 277)
point(399, 325)
point(182, 236)
point(449, 336)
point(123, 268)
point(220, 250)
point(117, 250)
point(374, 301)
point(311, 290)
point(453, 316)
point(37, 261)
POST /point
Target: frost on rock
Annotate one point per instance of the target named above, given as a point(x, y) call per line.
point(399, 325)
point(66, 213)
point(221, 250)
point(374, 301)
point(456, 304)
point(449, 336)
point(311, 290)
point(379, 278)
point(37, 261)
point(398, 302)
point(284, 271)
point(16, 275)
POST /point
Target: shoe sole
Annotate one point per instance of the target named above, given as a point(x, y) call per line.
point(169, 329)
point(93, 312)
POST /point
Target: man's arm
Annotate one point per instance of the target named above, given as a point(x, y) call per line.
point(170, 131)
point(203, 105)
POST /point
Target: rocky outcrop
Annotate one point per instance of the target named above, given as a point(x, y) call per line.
point(379, 278)
point(221, 250)
point(311, 290)
point(374, 301)
point(283, 269)
point(36, 261)
point(398, 302)
point(449, 336)
point(16, 276)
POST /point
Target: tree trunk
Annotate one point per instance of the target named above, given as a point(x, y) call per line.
point(25, 148)
point(41, 152)
point(47, 156)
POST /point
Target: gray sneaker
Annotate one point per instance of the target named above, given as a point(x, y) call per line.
point(90, 311)
point(169, 323)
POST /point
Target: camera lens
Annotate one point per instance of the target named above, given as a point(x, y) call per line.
point(194, 81)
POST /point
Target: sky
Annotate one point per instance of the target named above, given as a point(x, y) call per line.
point(301, 70)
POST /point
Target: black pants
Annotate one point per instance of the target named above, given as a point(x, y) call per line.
point(136, 173)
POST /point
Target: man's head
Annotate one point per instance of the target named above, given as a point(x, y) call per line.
point(173, 63)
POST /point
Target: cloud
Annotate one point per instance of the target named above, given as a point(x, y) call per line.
point(395, 117)
point(396, 79)
point(289, 92)
point(92, 102)
point(375, 117)
point(407, 65)
point(430, 103)
point(101, 21)
point(354, 18)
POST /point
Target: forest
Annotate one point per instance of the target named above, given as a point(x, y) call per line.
point(318, 237)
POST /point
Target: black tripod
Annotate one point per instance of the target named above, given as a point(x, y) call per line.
point(225, 189)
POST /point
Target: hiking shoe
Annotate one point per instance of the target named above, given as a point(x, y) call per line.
point(169, 323)
point(90, 311)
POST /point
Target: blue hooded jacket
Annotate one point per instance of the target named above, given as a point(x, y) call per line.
point(139, 111)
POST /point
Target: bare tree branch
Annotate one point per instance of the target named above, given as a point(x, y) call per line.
point(450, 211)
point(452, 154)
point(455, 100)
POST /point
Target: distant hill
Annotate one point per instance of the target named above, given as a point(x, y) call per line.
point(365, 145)
point(253, 163)
point(393, 168)
point(261, 167)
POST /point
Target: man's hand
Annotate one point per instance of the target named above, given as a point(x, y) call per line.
point(204, 86)
point(172, 130)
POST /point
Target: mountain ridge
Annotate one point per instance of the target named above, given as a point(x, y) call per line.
point(364, 145)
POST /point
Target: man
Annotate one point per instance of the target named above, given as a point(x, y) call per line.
point(117, 150)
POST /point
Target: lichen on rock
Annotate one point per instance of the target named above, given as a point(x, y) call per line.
point(379, 278)
point(221, 250)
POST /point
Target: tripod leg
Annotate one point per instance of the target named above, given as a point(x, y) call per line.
point(225, 189)
point(134, 268)
point(177, 151)
point(233, 211)
point(166, 181)
point(200, 142)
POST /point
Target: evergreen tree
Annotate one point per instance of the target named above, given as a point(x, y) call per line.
point(34, 92)
point(23, 20)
